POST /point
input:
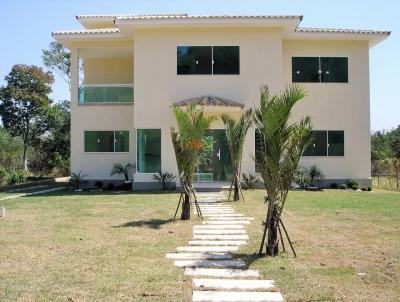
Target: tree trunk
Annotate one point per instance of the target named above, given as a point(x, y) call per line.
point(25, 154)
point(186, 207)
point(236, 189)
point(272, 243)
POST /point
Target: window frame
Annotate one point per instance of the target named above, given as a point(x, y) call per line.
point(320, 68)
point(327, 145)
point(212, 61)
point(136, 151)
point(107, 152)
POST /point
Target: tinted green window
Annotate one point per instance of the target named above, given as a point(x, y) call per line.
point(99, 141)
point(194, 59)
point(226, 59)
point(259, 147)
point(318, 144)
point(305, 70)
point(335, 143)
point(334, 70)
point(148, 150)
point(121, 141)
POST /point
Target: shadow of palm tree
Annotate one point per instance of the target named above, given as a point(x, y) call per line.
point(152, 223)
point(248, 258)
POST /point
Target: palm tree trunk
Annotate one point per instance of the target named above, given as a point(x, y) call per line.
point(186, 206)
point(272, 242)
point(236, 189)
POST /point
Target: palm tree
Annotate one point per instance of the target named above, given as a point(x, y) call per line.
point(236, 133)
point(120, 169)
point(282, 146)
point(188, 146)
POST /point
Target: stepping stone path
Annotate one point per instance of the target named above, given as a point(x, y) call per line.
point(217, 276)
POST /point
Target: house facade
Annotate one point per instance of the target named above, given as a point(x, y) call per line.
point(127, 71)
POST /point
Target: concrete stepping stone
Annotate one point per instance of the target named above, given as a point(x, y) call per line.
point(226, 296)
point(221, 237)
point(210, 263)
point(226, 222)
point(222, 272)
point(218, 211)
point(217, 242)
point(225, 215)
point(219, 226)
point(208, 249)
point(232, 284)
point(229, 218)
point(187, 256)
point(218, 232)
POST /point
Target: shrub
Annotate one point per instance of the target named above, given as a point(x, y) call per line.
point(302, 178)
point(3, 174)
point(164, 178)
point(15, 176)
point(369, 189)
point(249, 181)
point(355, 187)
point(334, 185)
point(364, 188)
point(77, 180)
point(351, 182)
point(98, 184)
point(110, 186)
point(315, 174)
point(343, 187)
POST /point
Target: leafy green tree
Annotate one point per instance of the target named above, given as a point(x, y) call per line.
point(188, 144)
point(11, 150)
point(24, 102)
point(58, 59)
point(282, 143)
point(236, 133)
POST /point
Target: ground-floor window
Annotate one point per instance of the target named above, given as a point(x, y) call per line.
point(106, 141)
point(148, 153)
point(326, 143)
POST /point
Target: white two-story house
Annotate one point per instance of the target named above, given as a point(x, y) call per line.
point(128, 70)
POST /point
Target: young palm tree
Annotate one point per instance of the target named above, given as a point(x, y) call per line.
point(188, 145)
point(120, 169)
point(282, 146)
point(236, 133)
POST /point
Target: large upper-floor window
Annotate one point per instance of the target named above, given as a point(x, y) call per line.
point(326, 143)
point(106, 141)
point(320, 70)
point(208, 60)
point(148, 152)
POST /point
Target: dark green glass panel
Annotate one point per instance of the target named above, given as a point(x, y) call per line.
point(318, 144)
point(148, 150)
point(97, 94)
point(334, 70)
point(226, 60)
point(121, 141)
point(259, 148)
point(336, 143)
point(99, 141)
point(194, 59)
point(305, 70)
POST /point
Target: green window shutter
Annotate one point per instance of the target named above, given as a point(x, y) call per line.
point(318, 144)
point(305, 70)
point(148, 151)
point(335, 143)
point(121, 141)
point(194, 59)
point(226, 60)
point(334, 70)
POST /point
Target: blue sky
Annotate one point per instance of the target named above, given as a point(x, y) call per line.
point(26, 26)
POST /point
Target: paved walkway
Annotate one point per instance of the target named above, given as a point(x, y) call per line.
point(217, 276)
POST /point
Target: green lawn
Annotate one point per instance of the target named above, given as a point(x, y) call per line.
point(337, 235)
point(110, 247)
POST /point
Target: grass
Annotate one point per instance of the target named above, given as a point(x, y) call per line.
point(337, 235)
point(103, 246)
point(88, 247)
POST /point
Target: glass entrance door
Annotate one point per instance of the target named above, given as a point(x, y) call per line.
point(216, 163)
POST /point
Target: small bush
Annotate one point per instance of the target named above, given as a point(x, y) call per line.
point(343, 187)
point(98, 184)
point(3, 174)
point(334, 185)
point(364, 188)
point(15, 176)
point(249, 181)
point(355, 187)
point(351, 182)
point(110, 186)
point(369, 189)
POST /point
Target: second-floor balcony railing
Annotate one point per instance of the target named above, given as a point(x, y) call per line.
point(106, 93)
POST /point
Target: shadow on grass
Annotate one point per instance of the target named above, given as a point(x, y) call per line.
point(152, 223)
point(248, 258)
